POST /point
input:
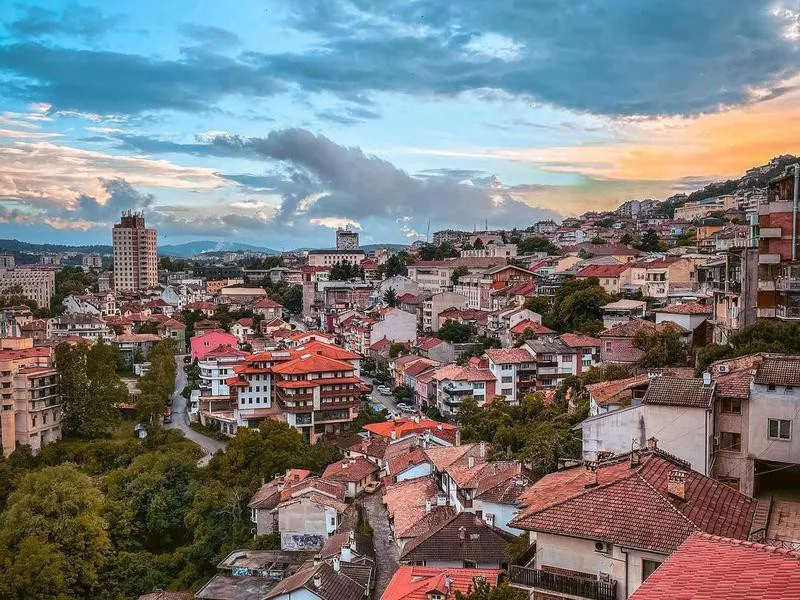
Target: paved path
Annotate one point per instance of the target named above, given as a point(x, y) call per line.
point(180, 418)
point(387, 553)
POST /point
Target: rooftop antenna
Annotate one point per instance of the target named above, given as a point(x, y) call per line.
point(487, 225)
point(428, 235)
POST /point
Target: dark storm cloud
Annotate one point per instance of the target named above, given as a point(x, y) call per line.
point(619, 58)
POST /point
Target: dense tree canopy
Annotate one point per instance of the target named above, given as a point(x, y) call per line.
point(455, 332)
point(577, 306)
point(662, 347)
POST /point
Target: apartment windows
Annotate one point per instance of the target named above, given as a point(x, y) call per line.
point(732, 406)
point(779, 429)
point(507, 379)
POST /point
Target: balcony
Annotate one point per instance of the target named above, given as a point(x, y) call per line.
point(562, 584)
point(787, 312)
point(788, 284)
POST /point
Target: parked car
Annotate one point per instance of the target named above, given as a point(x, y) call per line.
point(385, 390)
point(372, 487)
point(405, 407)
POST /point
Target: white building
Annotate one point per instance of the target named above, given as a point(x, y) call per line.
point(328, 258)
point(346, 239)
point(216, 368)
point(35, 284)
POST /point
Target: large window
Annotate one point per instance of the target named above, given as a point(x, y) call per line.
point(730, 441)
point(732, 406)
point(779, 429)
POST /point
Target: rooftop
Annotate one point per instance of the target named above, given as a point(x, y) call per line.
point(778, 370)
point(687, 308)
point(505, 356)
point(574, 340)
point(417, 583)
point(679, 391)
point(351, 470)
point(707, 566)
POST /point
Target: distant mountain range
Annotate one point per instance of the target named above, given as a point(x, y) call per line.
point(186, 250)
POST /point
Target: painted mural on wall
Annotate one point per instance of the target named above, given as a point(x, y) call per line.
point(302, 541)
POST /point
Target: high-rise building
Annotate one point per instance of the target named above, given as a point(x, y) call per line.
point(6, 261)
point(346, 239)
point(779, 251)
point(35, 283)
point(135, 254)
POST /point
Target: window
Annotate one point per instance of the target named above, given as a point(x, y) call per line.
point(732, 405)
point(771, 387)
point(779, 429)
point(730, 441)
point(507, 392)
point(470, 564)
point(648, 567)
point(507, 379)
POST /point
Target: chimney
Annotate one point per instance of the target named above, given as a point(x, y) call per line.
point(394, 434)
point(483, 449)
point(337, 565)
point(439, 426)
point(346, 554)
point(441, 500)
point(345, 464)
point(636, 458)
point(427, 506)
point(676, 484)
point(458, 437)
point(317, 581)
point(706, 379)
point(317, 560)
point(489, 518)
point(652, 444)
point(470, 461)
point(591, 466)
point(462, 533)
point(351, 539)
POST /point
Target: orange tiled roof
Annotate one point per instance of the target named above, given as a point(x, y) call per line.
point(417, 583)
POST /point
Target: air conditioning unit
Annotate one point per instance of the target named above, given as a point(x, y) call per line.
point(603, 547)
point(724, 368)
point(716, 440)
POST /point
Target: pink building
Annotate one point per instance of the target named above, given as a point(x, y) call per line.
point(202, 345)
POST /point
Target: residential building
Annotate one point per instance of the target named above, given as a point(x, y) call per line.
point(620, 252)
point(346, 239)
point(611, 277)
point(732, 280)
point(454, 383)
point(623, 311)
point(201, 345)
point(88, 327)
point(334, 580)
point(33, 283)
point(554, 360)
point(491, 250)
point(7, 261)
point(354, 473)
point(267, 498)
point(175, 331)
point(30, 406)
point(587, 350)
point(689, 315)
point(413, 582)
point(515, 372)
point(479, 287)
point(216, 367)
point(318, 395)
point(243, 329)
point(463, 541)
point(92, 261)
point(607, 396)
point(757, 446)
point(439, 433)
point(618, 340)
point(679, 411)
point(135, 254)
point(435, 276)
point(329, 258)
point(309, 513)
point(608, 558)
point(436, 304)
point(659, 277)
point(268, 309)
point(135, 347)
point(707, 566)
point(778, 260)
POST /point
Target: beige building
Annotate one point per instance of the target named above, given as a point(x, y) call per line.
point(30, 407)
point(135, 254)
point(35, 284)
point(328, 258)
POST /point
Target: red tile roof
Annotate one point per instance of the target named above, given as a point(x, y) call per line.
point(637, 509)
point(688, 308)
point(404, 427)
point(405, 502)
point(312, 363)
point(506, 356)
point(537, 328)
point(711, 567)
point(778, 370)
point(350, 469)
point(605, 391)
point(574, 340)
point(602, 271)
point(463, 537)
point(416, 583)
point(679, 391)
point(401, 462)
point(267, 303)
point(428, 343)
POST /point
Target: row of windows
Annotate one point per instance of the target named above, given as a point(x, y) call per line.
point(777, 429)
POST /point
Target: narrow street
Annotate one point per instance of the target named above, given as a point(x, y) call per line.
point(180, 418)
point(387, 554)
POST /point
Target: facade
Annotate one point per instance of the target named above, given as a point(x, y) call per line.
point(328, 258)
point(216, 368)
point(623, 311)
point(515, 372)
point(88, 327)
point(135, 254)
point(778, 260)
point(554, 360)
point(454, 383)
point(34, 284)
point(732, 280)
point(437, 303)
point(30, 407)
point(346, 239)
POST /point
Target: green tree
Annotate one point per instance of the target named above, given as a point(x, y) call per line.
point(397, 264)
point(37, 570)
point(578, 306)
point(432, 252)
point(649, 242)
point(397, 348)
point(538, 304)
point(390, 297)
point(455, 332)
point(60, 508)
point(478, 245)
point(90, 387)
point(402, 392)
point(458, 272)
point(536, 243)
point(482, 590)
point(663, 347)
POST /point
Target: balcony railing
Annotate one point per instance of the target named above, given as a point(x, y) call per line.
point(787, 312)
point(563, 584)
point(788, 284)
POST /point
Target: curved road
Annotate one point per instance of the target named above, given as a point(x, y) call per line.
point(180, 418)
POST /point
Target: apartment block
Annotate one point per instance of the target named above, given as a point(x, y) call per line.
point(778, 259)
point(35, 284)
point(135, 254)
point(30, 407)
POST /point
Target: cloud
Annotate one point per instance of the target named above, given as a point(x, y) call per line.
point(210, 35)
point(615, 58)
point(333, 181)
point(104, 82)
point(85, 22)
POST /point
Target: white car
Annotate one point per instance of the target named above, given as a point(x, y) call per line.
point(405, 407)
point(385, 389)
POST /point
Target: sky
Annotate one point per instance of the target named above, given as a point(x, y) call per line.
point(272, 123)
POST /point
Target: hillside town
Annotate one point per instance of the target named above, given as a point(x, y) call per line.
point(598, 408)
